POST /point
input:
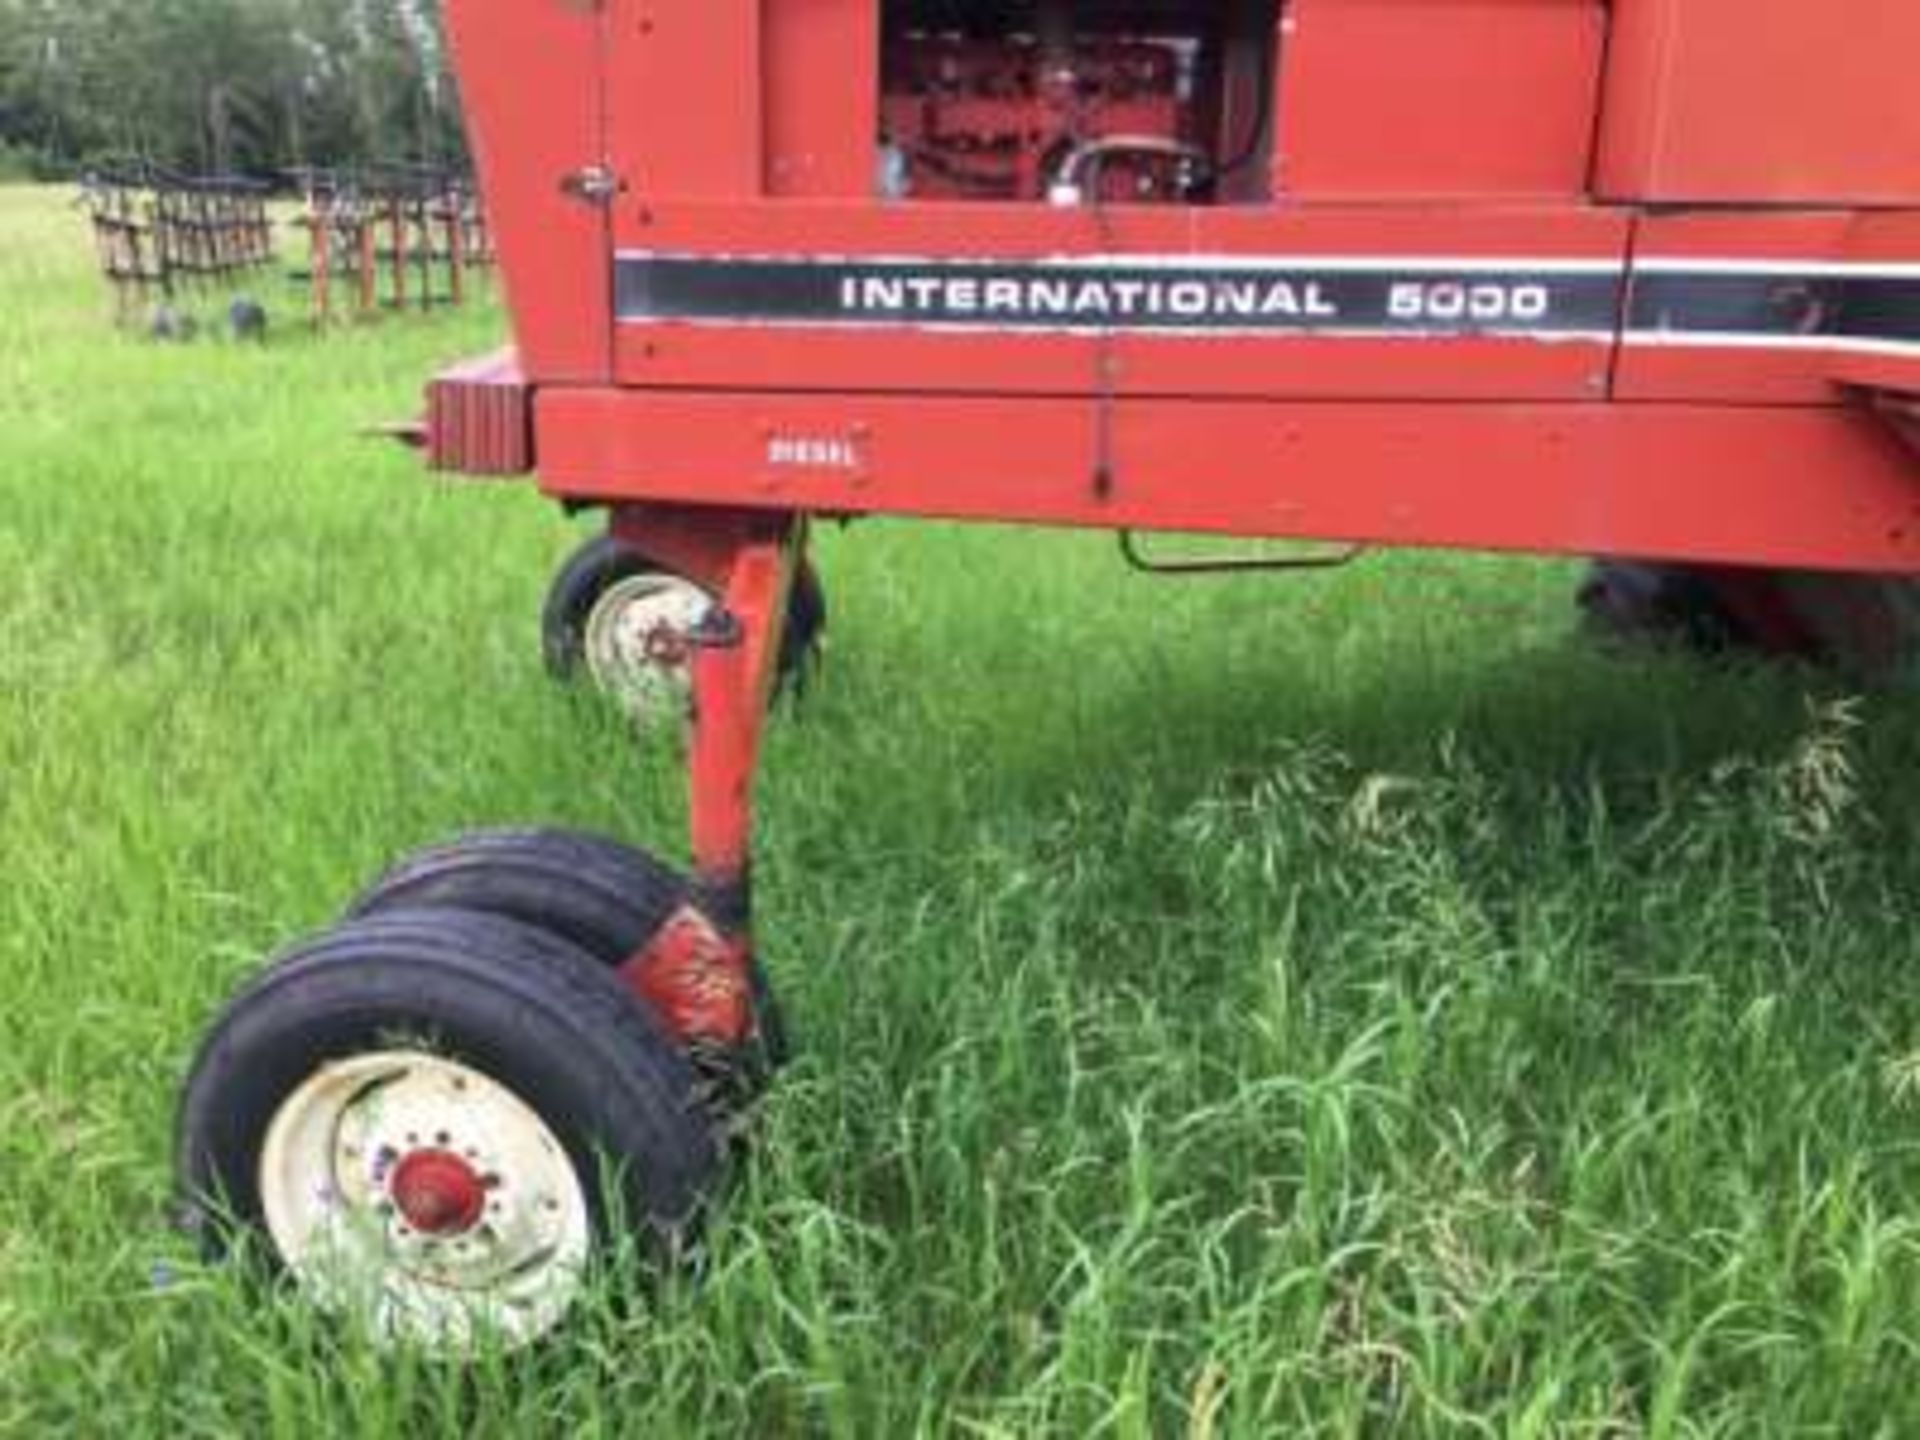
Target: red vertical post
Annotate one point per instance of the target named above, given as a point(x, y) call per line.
point(730, 671)
point(136, 286)
point(320, 227)
point(368, 242)
point(397, 231)
point(456, 250)
point(696, 975)
point(423, 242)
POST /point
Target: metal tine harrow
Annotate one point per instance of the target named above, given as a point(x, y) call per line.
point(390, 237)
point(381, 238)
point(161, 236)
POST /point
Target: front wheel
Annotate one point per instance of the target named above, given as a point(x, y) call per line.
point(438, 1124)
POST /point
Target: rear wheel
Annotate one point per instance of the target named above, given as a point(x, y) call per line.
point(438, 1124)
point(1633, 602)
point(1866, 626)
point(615, 617)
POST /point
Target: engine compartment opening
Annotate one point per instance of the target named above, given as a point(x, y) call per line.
point(1128, 101)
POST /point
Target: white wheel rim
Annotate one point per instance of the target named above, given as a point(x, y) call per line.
point(638, 644)
point(331, 1190)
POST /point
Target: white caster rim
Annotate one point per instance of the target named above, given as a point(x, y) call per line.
point(639, 647)
point(427, 1199)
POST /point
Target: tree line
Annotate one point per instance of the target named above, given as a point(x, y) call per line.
point(257, 87)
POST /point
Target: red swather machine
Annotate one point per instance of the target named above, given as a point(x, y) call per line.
point(1637, 280)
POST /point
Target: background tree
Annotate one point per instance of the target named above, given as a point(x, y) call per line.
point(250, 86)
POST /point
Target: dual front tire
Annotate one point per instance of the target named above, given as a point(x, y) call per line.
point(440, 1118)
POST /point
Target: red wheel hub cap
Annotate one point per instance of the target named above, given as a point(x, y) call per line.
point(438, 1193)
point(667, 647)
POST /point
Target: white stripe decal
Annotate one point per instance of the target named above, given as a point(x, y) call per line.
point(1748, 303)
point(1356, 264)
point(1175, 332)
point(1350, 264)
point(1810, 269)
point(1803, 344)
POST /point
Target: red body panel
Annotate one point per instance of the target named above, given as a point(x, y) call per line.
point(530, 80)
point(1806, 488)
point(1395, 272)
point(1891, 239)
point(480, 418)
point(1654, 367)
point(920, 359)
point(1761, 102)
point(1385, 100)
point(1712, 386)
point(823, 85)
point(685, 112)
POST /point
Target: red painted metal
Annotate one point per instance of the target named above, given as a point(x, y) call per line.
point(438, 1193)
point(530, 77)
point(822, 68)
point(1475, 99)
point(747, 558)
point(696, 980)
point(1762, 102)
point(733, 674)
point(696, 975)
point(480, 418)
point(696, 541)
point(1711, 372)
point(1719, 385)
point(1306, 366)
point(686, 96)
point(1797, 486)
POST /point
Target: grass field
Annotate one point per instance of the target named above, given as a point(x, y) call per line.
point(1345, 1006)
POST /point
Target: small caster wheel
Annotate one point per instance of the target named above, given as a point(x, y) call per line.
point(619, 619)
point(609, 900)
point(438, 1125)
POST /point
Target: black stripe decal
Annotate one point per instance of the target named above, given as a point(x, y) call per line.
point(1387, 298)
point(1782, 305)
point(1393, 298)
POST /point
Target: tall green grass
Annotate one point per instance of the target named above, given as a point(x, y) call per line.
point(1346, 1006)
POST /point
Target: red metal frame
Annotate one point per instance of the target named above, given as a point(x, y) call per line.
point(1762, 102)
point(1741, 393)
point(1802, 487)
point(480, 418)
point(1382, 100)
point(1306, 367)
point(697, 973)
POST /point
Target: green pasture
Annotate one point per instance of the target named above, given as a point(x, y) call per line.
point(1353, 1005)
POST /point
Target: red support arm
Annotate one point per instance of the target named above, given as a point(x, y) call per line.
point(697, 974)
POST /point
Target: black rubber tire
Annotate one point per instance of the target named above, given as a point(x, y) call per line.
point(1633, 603)
point(1864, 627)
point(606, 898)
point(518, 1004)
point(605, 561)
